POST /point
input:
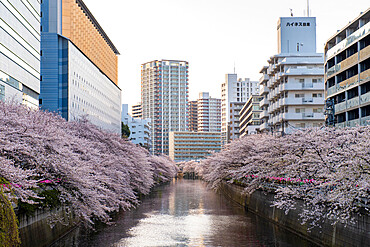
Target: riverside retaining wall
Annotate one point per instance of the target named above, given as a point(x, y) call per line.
point(260, 202)
point(35, 231)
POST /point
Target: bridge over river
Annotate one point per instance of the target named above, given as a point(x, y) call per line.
point(185, 213)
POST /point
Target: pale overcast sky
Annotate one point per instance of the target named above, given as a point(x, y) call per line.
point(210, 34)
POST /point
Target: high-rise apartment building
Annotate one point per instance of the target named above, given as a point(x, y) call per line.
point(193, 116)
point(164, 99)
point(209, 113)
point(20, 51)
point(347, 72)
point(234, 92)
point(292, 84)
point(79, 65)
point(250, 116)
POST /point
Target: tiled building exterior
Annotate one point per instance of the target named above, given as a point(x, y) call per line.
point(78, 66)
point(347, 72)
point(164, 99)
point(20, 51)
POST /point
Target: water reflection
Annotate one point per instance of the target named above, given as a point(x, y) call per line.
point(186, 213)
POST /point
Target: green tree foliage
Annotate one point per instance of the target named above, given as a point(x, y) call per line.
point(125, 130)
point(9, 235)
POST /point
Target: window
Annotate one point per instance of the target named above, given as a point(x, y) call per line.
point(299, 110)
point(317, 110)
point(301, 80)
point(317, 95)
point(299, 95)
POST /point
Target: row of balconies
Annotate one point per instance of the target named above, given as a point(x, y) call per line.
point(295, 102)
point(354, 80)
point(355, 122)
point(354, 102)
point(349, 62)
point(294, 117)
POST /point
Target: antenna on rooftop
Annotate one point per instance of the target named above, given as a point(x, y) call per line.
point(308, 8)
point(291, 12)
point(234, 67)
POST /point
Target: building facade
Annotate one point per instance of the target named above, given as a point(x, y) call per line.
point(79, 66)
point(234, 91)
point(139, 128)
point(233, 131)
point(250, 116)
point(164, 99)
point(137, 111)
point(20, 52)
point(209, 113)
point(292, 84)
point(347, 72)
point(193, 116)
point(186, 146)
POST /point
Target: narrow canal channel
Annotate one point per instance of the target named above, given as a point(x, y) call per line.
point(185, 213)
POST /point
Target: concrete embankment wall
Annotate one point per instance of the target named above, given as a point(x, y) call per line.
point(35, 230)
point(328, 235)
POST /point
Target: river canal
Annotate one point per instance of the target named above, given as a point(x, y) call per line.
point(185, 213)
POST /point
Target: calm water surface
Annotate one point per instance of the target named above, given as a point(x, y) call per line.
point(185, 213)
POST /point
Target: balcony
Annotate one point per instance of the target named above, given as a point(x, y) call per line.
point(365, 75)
point(365, 98)
point(290, 101)
point(340, 106)
point(349, 82)
point(303, 116)
point(264, 90)
point(263, 102)
point(331, 90)
point(264, 126)
point(353, 123)
point(348, 62)
point(264, 114)
point(365, 120)
point(301, 86)
point(313, 101)
point(264, 78)
point(340, 125)
point(353, 102)
point(354, 37)
point(365, 53)
point(305, 71)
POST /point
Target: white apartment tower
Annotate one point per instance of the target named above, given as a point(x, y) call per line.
point(237, 91)
point(209, 113)
point(164, 99)
point(292, 84)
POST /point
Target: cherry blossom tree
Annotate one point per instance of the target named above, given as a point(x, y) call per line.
point(94, 172)
point(328, 169)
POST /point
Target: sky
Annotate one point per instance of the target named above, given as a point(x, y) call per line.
point(212, 35)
